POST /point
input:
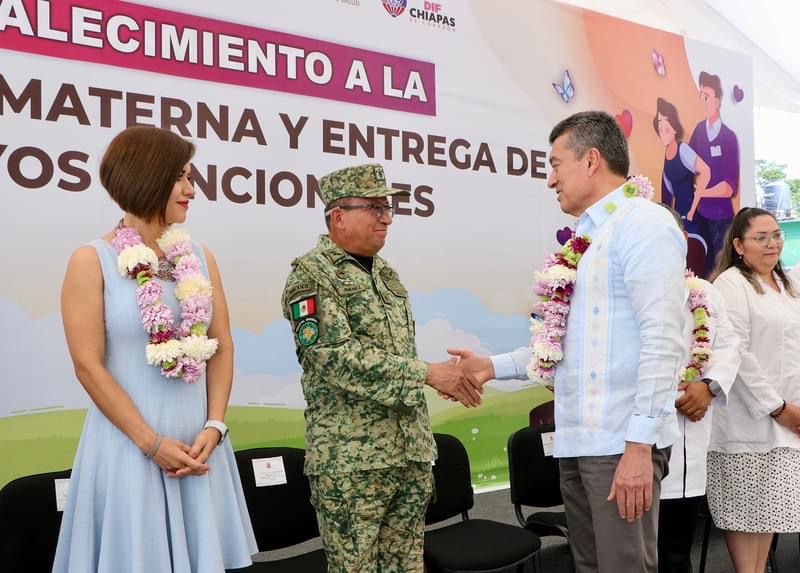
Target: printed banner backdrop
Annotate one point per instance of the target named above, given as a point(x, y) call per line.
point(455, 99)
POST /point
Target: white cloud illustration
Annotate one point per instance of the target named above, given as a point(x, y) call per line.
point(38, 374)
point(436, 336)
point(267, 390)
point(37, 368)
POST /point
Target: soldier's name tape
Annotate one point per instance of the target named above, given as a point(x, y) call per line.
point(300, 290)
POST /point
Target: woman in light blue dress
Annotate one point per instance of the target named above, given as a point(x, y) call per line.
point(154, 485)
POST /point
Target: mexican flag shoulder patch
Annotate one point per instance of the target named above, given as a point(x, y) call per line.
point(304, 307)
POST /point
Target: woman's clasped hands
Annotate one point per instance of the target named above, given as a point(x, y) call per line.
point(178, 459)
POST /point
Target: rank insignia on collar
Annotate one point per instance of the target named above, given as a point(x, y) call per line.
point(304, 307)
point(307, 331)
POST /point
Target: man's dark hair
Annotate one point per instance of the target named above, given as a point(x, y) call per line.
point(707, 80)
point(597, 129)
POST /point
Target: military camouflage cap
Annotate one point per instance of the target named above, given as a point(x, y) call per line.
point(360, 181)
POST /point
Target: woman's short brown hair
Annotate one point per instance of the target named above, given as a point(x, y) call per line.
point(140, 167)
point(669, 111)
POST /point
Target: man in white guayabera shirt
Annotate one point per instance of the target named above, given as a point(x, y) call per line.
point(615, 387)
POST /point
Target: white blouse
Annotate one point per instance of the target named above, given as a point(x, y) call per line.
point(768, 326)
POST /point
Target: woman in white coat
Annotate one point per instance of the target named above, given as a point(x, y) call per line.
point(703, 385)
point(754, 455)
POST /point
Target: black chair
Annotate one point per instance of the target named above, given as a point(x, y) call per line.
point(705, 514)
point(534, 481)
point(282, 515)
point(470, 545)
point(543, 414)
point(772, 559)
point(29, 523)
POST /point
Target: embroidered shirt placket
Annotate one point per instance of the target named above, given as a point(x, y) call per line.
point(596, 324)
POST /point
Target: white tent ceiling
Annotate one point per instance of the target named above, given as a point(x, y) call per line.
point(766, 30)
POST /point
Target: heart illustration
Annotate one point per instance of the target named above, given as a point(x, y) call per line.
point(625, 122)
point(563, 235)
point(738, 94)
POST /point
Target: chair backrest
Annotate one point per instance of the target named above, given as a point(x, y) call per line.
point(29, 522)
point(453, 492)
point(543, 414)
point(696, 251)
point(282, 515)
point(533, 476)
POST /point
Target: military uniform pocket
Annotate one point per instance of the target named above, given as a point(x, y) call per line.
point(348, 284)
point(397, 288)
point(333, 514)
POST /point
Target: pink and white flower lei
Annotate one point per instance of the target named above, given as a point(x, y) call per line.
point(553, 287)
point(700, 350)
point(639, 186)
point(181, 351)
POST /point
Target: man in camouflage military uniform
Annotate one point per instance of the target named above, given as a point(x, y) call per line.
point(369, 445)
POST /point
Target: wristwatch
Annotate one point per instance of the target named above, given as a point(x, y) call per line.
point(220, 427)
point(713, 386)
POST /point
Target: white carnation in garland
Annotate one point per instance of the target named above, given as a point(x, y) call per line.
point(558, 273)
point(549, 352)
point(167, 351)
point(135, 255)
point(533, 375)
point(172, 236)
point(694, 283)
point(193, 286)
point(199, 347)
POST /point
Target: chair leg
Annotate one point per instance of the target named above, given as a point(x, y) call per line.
point(772, 563)
point(704, 548)
point(772, 559)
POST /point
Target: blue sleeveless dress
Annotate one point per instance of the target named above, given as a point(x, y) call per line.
point(123, 514)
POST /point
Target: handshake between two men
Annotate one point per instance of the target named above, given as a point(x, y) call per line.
point(461, 378)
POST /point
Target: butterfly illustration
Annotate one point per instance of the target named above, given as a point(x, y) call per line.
point(658, 63)
point(567, 89)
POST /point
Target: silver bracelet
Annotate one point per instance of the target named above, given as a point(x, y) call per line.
point(154, 448)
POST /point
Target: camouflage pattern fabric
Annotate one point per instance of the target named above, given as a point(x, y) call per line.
point(373, 521)
point(359, 181)
point(362, 381)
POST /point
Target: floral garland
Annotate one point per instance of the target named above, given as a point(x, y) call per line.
point(180, 351)
point(700, 351)
point(553, 287)
point(639, 186)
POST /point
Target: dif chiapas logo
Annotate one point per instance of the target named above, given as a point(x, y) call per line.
point(431, 13)
point(395, 7)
